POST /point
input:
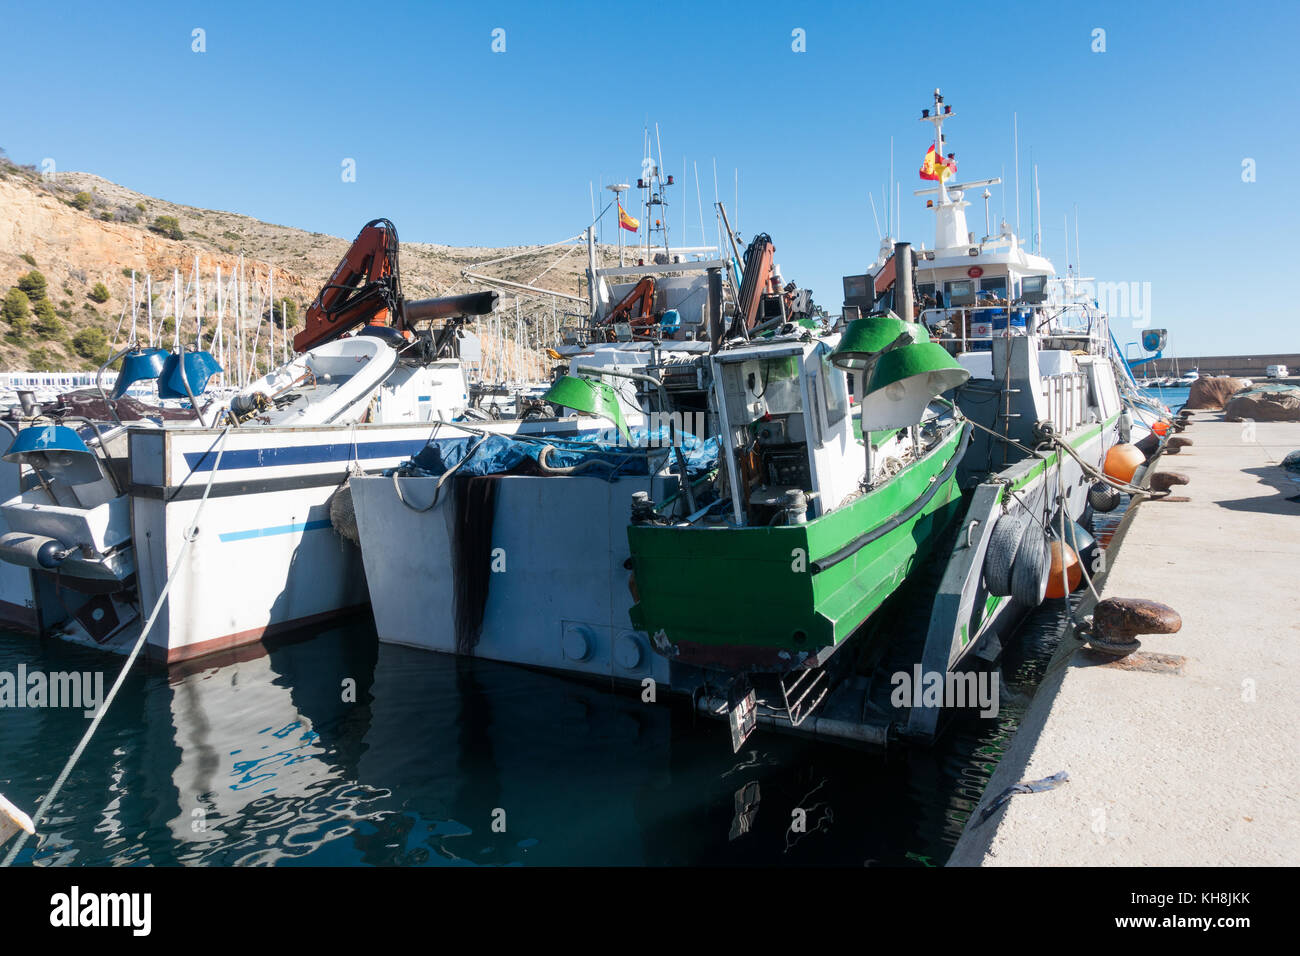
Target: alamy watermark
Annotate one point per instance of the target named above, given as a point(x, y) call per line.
point(964, 690)
point(1119, 300)
point(83, 690)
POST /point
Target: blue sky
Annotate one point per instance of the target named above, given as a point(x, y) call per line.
point(460, 145)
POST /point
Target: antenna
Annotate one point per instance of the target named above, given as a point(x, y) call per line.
point(1015, 148)
point(1078, 263)
point(874, 216)
point(717, 200)
point(698, 204)
point(889, 201)
point(1038, 215)
point(618, 189)
point(1066, 217)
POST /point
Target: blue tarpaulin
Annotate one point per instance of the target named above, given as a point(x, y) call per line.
point(498, 454)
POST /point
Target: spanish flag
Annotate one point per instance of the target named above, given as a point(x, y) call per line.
point(937, 167)
point(626, 221)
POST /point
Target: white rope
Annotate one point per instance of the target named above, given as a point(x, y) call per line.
point(190, 534)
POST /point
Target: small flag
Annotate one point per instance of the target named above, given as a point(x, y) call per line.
point(937, 167)
point(626, 221)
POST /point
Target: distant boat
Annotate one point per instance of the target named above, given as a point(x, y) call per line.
point(1188, 377)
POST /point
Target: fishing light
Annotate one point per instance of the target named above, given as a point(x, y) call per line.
point(865, 339)
point(925, 114)
point(904, 381)
point(58, 450)
point(588, 397)
point(196, 367)
point(139, 365)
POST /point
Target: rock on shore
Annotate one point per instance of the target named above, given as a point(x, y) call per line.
point(1213, 392)
point(1265, 403)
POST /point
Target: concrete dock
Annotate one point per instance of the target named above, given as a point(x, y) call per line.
point(1196, 762)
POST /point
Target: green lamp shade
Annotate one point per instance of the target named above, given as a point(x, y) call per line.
point(587, 396)
point(904, 381)
point(866, 338)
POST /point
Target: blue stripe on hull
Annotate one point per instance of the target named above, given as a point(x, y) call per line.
point(341, 452)
point(277, 529)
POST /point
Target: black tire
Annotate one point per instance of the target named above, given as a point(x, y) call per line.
point(1001, 555)
point(1032, 567)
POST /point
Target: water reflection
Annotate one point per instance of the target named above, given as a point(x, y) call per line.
point(338, 750)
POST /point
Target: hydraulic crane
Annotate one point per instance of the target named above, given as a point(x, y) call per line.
point(366, 289)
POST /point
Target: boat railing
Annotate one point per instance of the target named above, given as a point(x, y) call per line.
point(1066, 395)
point(973, 328)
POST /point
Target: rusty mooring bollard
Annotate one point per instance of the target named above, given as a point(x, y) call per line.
point(1176, 444)
point(1116, 623)
point(1162, 481)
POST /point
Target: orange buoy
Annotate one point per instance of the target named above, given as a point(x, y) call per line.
point(1160, 427)
point(1063, 556)
point(1122, 461)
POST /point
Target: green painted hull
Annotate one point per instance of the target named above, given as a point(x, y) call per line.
point(770, 589)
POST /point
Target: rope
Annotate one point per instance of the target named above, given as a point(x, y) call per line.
point(437, 491)
point(191, 533)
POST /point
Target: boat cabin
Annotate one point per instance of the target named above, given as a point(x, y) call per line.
point(787, 430)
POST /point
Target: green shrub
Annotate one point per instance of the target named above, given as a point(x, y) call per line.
point(167, 226)
point(285, 313)
point(33, 284)
point(91, 343)
point(47, 323)
point(28, 258)
point(16, 309)
point(98, 293)
point(40, 360)
point(82, 200)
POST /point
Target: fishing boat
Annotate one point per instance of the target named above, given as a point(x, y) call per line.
point(107, 509)
point(809, 524)
point(1044, 395)
point(531, 530)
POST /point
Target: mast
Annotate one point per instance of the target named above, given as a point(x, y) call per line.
point(176, 308)
point(198, 304)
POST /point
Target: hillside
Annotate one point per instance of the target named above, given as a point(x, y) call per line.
point(77, 230)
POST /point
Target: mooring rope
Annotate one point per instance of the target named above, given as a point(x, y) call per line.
point(190, 534)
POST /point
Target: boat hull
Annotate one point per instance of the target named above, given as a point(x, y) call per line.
point(770, 598)
point(550, 574)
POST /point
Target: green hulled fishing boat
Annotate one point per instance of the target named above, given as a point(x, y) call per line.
point(809, 523)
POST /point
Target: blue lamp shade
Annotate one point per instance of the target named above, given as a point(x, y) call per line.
point(138, 366)
point(904, 381)
point(197, 367)
point(58, 450)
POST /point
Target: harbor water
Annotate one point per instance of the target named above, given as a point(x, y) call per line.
point(339, 750)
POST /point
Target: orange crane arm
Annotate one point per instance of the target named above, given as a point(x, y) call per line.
point(364, 289)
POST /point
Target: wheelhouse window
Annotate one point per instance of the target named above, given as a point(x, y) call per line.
point(835, 390)
point(993, 287)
